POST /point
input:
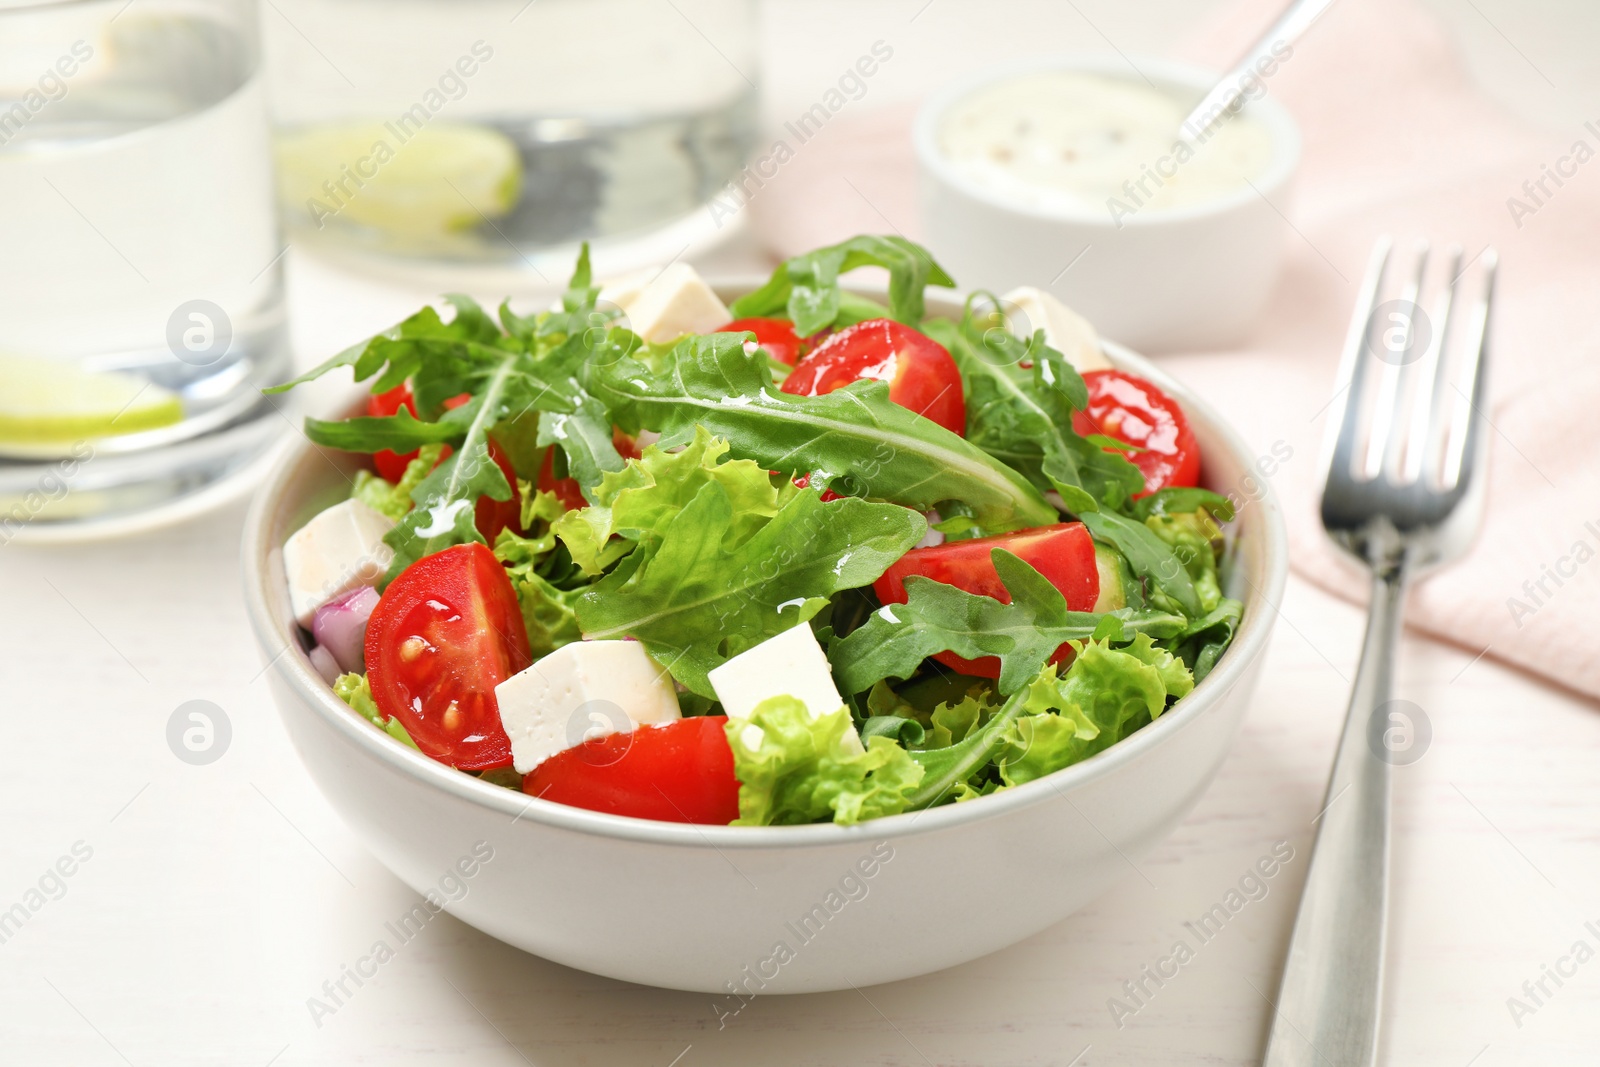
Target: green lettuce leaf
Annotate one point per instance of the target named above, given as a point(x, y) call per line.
point(1055, 720)
point(805, 289)
point(395, 500)
point(633, 502)
point(801, 770)
point(354, 690)
point(941, 618)
point(854, 440)
point(699, 588)
point(549, 613)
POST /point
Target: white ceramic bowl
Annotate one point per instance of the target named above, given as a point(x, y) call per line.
point(707, 907)
point(1196, 276)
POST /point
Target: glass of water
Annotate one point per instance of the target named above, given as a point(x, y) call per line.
point(498, 133)
point(140, 274)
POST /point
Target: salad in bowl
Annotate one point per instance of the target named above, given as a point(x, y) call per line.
point(808, 557)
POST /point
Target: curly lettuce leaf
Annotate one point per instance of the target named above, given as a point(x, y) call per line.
point(394, 500)
point(805, 289)
point(855, 440)
point(631, 503)
point(699, 589)
point(796, 769)
point(936, 617)
point(1055, 720)
point(549, 613)
point(354, 690)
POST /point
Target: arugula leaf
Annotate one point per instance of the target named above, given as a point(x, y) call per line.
point(796, 769)
point(855, 438)
point(1176, 499)
point(1196, 541)
point(1150, 557)
point(695, 594)
point(1020, 401)
point(936, 617)
point(806, 288)
point(444, 502)
point(585, 436)
point(1207, 638)
point(636, 500)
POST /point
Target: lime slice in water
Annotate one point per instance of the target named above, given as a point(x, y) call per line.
point(426, 182)
point(46, 402)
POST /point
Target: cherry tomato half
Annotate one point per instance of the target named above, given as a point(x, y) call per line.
point(1063, 553)
point(1128, 408)
point(444, 634)
point(677, 772)
point(777, 336)
point(920, 373)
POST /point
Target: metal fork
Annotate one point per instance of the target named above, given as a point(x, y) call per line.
point(1405, 448)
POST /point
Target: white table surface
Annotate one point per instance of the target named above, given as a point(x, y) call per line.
point(219, 898)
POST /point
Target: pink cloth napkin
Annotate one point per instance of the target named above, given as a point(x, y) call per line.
point(1397, 141)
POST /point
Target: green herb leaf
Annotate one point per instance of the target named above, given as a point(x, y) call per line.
point(695, 594)
point(805, 289)
point(799, 769)
point(936, 617)
point(1149, 556)
point(854, 439)
point(632, 503)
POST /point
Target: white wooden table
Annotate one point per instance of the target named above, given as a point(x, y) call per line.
point(215, 900)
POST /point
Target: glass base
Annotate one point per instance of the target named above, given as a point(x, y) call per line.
point(96, 493)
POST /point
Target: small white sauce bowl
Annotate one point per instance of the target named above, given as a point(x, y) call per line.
point(706, 908)
point(1193, 276)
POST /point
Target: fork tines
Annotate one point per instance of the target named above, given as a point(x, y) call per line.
point(1404, 429)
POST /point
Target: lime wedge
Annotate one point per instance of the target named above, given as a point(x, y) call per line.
point(435, 180)
point(45, 402)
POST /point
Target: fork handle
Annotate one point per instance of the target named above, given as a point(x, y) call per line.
point(1328, 1002)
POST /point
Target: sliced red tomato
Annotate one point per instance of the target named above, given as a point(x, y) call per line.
point(777, 336)
point(920, 373)
point(391, 466)
point(567, 490)
point(1063, 553)
point(678, 772)
point(444, 634)
point(1127, 408)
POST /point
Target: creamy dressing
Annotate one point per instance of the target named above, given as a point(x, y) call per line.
point(1075, 141)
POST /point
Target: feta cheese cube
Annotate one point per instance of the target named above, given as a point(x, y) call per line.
point(677, 302)
point(580, 691)
point(1064, 329)
point(790, 664)
point(339, 549)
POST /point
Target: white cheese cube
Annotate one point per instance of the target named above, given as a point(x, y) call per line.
point(791, 664)
point(1065, 330)
point(677, 302)
point(336, 551)
point(580, 691)
point(625, 290)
